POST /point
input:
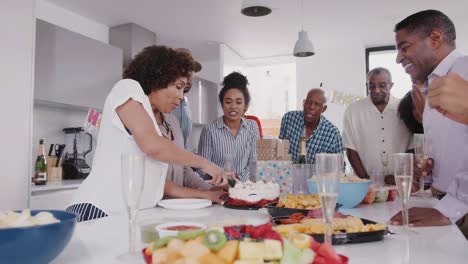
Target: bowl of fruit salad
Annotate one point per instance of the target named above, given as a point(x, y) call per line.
point(239, 244)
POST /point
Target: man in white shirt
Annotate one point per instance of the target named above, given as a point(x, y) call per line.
point(426, 49)
point(372, 131)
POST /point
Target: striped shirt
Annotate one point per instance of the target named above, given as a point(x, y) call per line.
point(216, 140)
point(326, 137)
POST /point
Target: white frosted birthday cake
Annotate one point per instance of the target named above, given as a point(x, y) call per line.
point(255, 194)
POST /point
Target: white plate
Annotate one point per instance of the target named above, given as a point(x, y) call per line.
point(184, 204)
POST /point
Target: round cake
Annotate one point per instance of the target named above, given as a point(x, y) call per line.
point(253, 194)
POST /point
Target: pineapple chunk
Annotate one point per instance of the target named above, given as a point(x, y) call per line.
point(251, 250)
point(194, 250)
point(229, 252)
point(211, 259)
point(273, 249)
point(258, 261)
point(160, 256)
point(175, 245)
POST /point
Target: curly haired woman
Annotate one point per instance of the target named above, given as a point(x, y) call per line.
point(153, 83)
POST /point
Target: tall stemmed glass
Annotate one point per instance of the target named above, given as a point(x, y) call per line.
point(403, 166)
point(133, 175)
point(421, 156)
point(329, 168)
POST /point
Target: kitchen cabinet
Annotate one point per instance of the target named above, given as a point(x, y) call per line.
point(73, 69)
point(203, 101)
point(53, 196)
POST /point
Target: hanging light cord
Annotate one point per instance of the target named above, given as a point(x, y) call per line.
point(302, 15)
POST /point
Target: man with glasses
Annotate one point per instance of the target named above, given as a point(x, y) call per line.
point(321, 135)
point(372, 131)
point(182, 112)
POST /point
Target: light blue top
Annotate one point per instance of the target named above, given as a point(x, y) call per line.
point(183, 115)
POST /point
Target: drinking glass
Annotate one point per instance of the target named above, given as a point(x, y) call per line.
point(384, 161)
point(229, 166)
point(420, 155)
point(300, 173)
point(133, 175)
point(403, 168)
point(329, 168)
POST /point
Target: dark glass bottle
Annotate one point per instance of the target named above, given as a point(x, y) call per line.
point(40, 167)
point(303, 152)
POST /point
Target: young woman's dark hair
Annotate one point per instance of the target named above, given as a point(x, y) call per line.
point(405, 113)
point(156, 67)
point(235, 80)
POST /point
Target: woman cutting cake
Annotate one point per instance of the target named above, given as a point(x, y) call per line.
point(153, 84)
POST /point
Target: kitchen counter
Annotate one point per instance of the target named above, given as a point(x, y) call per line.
point(102, 240)
point(59, 185)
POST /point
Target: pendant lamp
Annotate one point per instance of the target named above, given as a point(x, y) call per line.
point(303, 46)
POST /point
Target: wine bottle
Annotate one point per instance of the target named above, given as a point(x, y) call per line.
point(303, 151)
point(40, 167)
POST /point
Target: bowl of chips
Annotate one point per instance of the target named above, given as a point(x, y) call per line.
point(36, 236)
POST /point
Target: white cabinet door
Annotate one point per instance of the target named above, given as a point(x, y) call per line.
point(73, 69)
point(56, 199)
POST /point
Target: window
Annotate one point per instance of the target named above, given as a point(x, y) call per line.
point(386, 57)
point(273, 91)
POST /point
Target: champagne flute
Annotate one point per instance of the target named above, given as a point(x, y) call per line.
point(384, 161)
point(403, 167)
point(329, 168)
point(420, 154)
point(133, 175)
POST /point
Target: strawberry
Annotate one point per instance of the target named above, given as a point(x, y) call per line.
point(232, 232)
point(314, 245)
point(258, 231)
point(272, 234)
point(327, 252)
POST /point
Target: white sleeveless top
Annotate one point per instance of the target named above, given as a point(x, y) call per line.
point(103, 187)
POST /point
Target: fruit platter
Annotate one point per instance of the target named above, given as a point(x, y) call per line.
point(243, 244)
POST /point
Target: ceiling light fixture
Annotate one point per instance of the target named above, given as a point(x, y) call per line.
point(255, 8)
point(303, 46)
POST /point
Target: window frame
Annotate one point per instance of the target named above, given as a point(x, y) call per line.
point(369, 50)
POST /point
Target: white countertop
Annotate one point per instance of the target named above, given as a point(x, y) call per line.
point(101, 241)
point(59, 185)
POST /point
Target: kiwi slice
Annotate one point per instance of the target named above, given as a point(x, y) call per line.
point(214, 240)
point(162, 242)
point(190, 234)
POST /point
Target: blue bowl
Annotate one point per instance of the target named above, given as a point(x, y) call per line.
point(37, 244)
point(350, 193)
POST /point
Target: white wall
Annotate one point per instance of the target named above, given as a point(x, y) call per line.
point(17, 25)
point(339, 62)
point(230, 61)
point(72, 21)
point(272, 89)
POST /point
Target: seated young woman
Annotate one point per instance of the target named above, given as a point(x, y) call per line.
point(184, 182)
point(152, 83)
point(232, 135)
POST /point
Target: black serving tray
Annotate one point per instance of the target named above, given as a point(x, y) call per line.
point(240, 207)
point(350, 238)
point(286, 212)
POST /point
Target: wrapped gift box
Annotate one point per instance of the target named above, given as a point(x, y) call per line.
point(277, 171)
point(273, 149)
